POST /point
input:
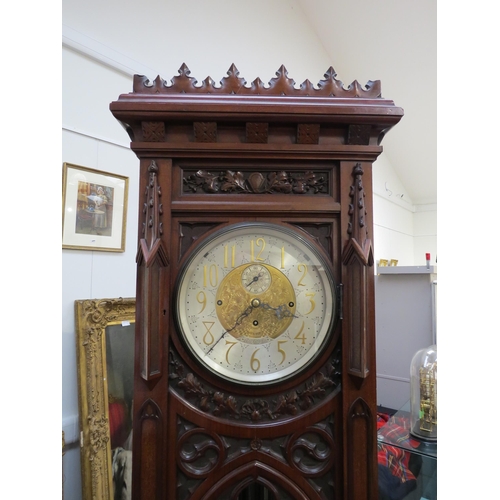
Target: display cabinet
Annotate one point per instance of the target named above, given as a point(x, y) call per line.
point(407, 464)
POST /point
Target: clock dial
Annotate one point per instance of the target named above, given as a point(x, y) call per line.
point(255, 303)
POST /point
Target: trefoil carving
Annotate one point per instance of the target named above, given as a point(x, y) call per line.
point(281, 85)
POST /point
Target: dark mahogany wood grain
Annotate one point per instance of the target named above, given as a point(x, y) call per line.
point(215, 154)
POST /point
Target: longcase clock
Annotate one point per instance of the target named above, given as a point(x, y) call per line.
point(255, 342)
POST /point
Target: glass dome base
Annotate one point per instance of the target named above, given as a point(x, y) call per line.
point(424, 435)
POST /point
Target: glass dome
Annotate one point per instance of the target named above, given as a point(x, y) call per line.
point(423, 390)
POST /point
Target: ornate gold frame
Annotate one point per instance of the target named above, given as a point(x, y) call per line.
point(92, 317)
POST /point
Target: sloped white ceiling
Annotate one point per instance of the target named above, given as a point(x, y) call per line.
point(394, 41)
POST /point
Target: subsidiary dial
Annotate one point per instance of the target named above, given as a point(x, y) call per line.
point(256, 278)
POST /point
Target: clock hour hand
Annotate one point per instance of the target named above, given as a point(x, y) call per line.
point(281, 311)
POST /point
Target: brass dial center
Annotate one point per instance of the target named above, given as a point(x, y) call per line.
point(251, 319)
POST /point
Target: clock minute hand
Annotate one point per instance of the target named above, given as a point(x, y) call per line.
point(241, 317)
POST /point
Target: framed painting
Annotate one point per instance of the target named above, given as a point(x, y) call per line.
point(94, 209)
point(105, 330)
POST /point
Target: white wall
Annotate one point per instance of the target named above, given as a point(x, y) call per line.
point(156, 39)
point(405, 233)
point(91, 137)
point(393, 41)
point(425, 233)
point(258, 37)
point(402, 230)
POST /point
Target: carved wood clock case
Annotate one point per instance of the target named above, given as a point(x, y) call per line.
point(255, 334)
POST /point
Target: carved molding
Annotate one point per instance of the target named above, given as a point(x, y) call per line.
point(281, 85)
point(210, 400)
point(252, 182)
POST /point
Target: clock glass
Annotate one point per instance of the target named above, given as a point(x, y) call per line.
point(256, 302)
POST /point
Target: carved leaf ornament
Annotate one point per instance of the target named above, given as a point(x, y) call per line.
point(255, 409)
point(228, 182)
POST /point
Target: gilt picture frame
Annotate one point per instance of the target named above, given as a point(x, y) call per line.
point(105, 331)
point(94, 209)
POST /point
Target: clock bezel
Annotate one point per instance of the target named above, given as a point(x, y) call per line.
point(296, 233)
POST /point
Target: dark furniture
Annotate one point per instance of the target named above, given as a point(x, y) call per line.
point(212, 155)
